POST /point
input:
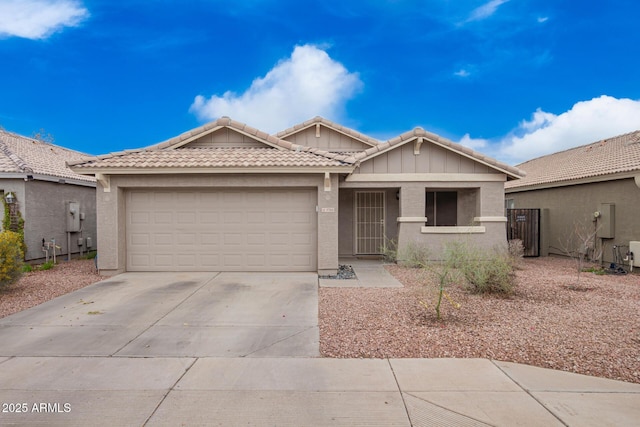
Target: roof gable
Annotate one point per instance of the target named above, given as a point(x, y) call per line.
point(327, 135)
point(469, 160)
point(24, 156)
point(607, 158)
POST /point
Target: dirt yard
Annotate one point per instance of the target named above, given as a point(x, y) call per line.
point(552, 321)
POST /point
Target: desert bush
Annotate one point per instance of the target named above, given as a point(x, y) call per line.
point(485, 271)
point(390, 250)
point(413, 255)
point(11, 256)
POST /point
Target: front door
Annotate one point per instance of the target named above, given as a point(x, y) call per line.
point(369, 222)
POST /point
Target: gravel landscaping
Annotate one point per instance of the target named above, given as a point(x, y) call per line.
point(551, 321)
point(591, 328)
point(37, 287)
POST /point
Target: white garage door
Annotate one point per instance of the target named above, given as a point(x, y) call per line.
point(221, 230)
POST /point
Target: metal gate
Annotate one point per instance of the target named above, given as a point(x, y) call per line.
point(524, 224)
point(369, 222)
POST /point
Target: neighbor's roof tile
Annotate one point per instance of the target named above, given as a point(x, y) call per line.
point(609, 156)
point(22, 155)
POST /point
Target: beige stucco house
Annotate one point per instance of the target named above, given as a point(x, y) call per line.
point(228, 197)
point(593, 189)
point(43, 191)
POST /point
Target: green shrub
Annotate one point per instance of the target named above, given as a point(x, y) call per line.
point(46, 266)
point(485, 271)
point(91, 255)
point(11, 256)
point(27, 268)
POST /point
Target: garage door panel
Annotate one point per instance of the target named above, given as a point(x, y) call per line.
point(222, 230)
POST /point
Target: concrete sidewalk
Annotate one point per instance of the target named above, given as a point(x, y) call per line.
point(305, 392)
point(370, 273)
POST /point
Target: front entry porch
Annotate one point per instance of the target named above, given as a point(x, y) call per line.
point(367, 220)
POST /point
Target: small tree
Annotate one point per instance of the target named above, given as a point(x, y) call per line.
point(581, 245)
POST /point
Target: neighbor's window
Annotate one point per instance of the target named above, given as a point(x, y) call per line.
point(441, 208)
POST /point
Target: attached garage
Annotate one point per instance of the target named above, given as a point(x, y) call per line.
point(221, 229)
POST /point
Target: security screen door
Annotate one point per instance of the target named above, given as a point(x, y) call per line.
point(369, 222)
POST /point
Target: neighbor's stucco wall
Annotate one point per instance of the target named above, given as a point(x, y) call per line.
point(45, 216)
point(42, 205)
point(570, 205)
point(112, 209)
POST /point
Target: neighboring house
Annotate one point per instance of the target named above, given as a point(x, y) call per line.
point(35, 179)
point(591, 189)
point(227, 197)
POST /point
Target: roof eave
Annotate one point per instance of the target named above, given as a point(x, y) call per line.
point(218, 170)
point(568, 183)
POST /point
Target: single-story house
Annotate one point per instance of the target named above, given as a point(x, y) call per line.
point(38, 188)
point(228, 197)
point(592, 189)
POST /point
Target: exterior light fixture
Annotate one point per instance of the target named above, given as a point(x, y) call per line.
point(10, 198)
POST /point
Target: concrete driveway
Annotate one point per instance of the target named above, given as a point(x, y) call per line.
point(174, 315)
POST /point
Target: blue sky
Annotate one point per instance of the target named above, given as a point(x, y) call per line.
point(513, 79)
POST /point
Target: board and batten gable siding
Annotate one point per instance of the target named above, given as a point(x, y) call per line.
point(226, 138)
point(432, 159)
point(328, 139)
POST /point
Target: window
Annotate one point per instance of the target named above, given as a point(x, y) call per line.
point(441, 208)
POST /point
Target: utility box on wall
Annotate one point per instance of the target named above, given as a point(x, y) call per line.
point(606, 221)
point(73, 217)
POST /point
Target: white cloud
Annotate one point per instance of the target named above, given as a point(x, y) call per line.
point(545, 133)
point(38, 19)
point(485, 11)
point(307, 84)
point(473, 143)
point(462, 73)
point(542, 19)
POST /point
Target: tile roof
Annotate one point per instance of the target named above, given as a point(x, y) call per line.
point(345, 130)
point(512, 172)
point(174, 153)
point(211, 157)
point(22, 155)
point(610, 156)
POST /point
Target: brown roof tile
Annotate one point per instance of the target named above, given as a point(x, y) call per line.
point(207, 157)
point(22, 155)
point(614, 155)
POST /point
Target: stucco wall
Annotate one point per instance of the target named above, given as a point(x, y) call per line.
point(568, 206)
point(111, 209)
